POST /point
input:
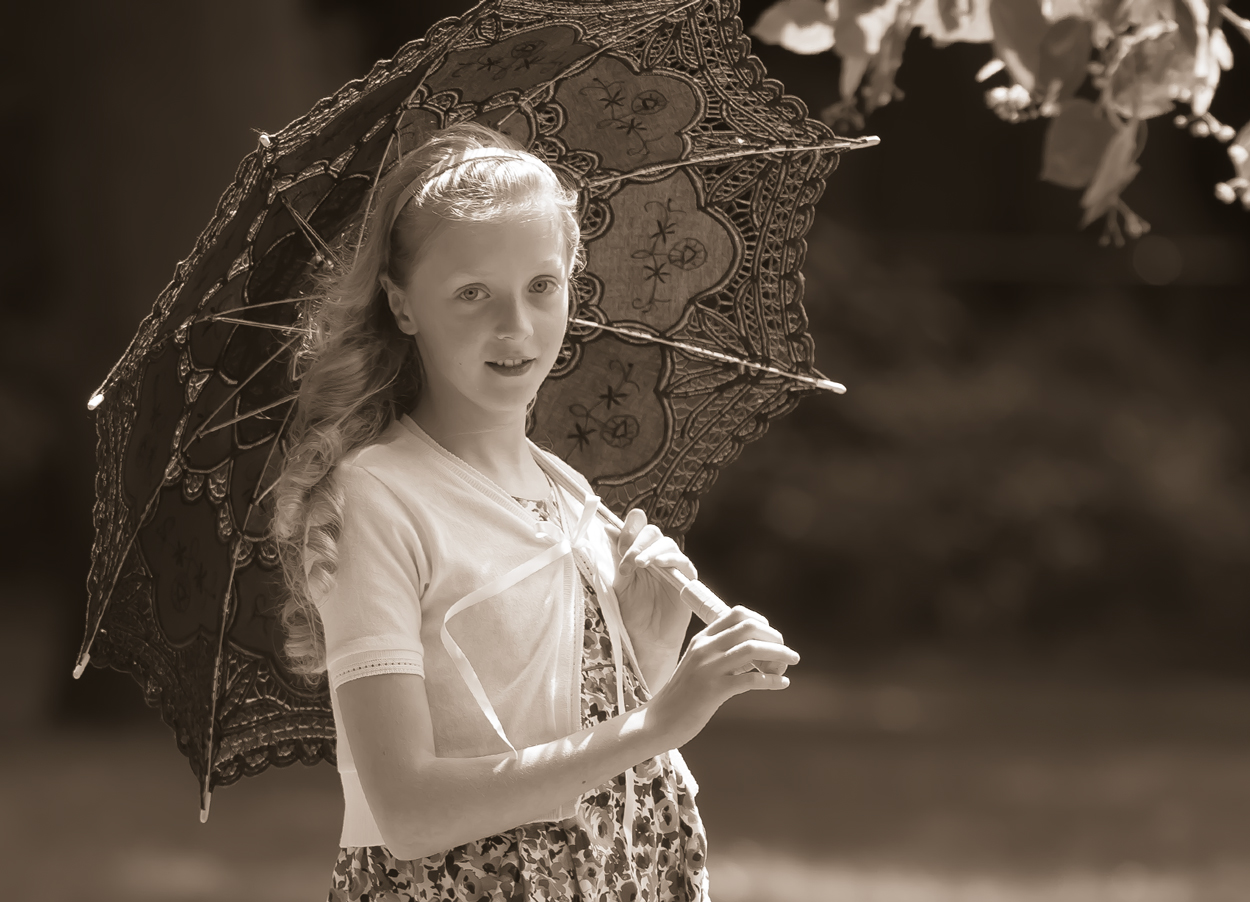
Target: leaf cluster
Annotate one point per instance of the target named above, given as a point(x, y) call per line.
point(1097, 69)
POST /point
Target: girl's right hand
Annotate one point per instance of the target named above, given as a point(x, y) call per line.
point(716, 666)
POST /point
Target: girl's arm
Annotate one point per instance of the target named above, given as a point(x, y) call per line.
point(424, 804)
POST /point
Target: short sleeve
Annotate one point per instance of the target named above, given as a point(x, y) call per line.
point(372, 614)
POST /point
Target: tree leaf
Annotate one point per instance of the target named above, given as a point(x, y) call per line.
point(1076, 141)
point(1239, 152)
point(801, 26)
point(974, 29)
point(1064, 56)
point(1018, 29)
point(857, 35)
point(1242, 25)
point(1117, 168)
point(1206, 65)
point(1191, 22)
point(853, 69)
point(1148, 68)
point(884, 67)
point(954, 13)
point(862, 24)
point(1080, 9)
point(1221, 51)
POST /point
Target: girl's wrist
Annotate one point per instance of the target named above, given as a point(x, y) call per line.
point(661, 730)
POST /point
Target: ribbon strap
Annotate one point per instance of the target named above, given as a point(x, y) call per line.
point(616, 629)
point(500, 584)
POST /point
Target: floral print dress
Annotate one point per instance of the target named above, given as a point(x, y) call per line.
point(577, 860)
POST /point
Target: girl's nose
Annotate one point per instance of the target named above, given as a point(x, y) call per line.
point(513, 319)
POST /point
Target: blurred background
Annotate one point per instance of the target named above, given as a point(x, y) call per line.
point(1015, 555)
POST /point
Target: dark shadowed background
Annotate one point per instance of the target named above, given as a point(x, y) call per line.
point(1015, 555)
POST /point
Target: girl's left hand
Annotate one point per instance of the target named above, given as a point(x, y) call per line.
point(650, 606)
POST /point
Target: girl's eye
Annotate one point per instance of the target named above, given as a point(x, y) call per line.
point(542, 286)
point(471, 294)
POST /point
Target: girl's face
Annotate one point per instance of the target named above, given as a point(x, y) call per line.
point(488, 305)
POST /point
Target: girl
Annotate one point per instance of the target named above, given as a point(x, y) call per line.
point(504, 667)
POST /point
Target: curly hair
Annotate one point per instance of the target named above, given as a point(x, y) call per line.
point(357, 371)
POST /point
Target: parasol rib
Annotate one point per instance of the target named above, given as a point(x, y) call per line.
point(206, 791)
point(306, 227)
point(259, 306)
point(275, 327)
point(247, 416)
point(779, 149)
point(234, 393)
point(708, 353)
point(85, 656)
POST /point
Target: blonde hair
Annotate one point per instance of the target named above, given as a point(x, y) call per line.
point(357, 371)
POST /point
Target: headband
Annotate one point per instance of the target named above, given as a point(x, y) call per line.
point(412, 189)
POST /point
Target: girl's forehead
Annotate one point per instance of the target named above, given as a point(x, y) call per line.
point(531, 223)
point(536, 240)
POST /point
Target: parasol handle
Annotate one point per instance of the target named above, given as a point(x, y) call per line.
point(705, 603)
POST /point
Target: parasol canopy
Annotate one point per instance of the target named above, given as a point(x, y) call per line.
point(697, 179)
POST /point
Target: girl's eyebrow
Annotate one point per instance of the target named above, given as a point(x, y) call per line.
point(554, 268)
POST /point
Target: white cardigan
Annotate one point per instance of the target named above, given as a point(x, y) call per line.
point(443, 574)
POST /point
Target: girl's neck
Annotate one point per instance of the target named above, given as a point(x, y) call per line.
point(494, 446)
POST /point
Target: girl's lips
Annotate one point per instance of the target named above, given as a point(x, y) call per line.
point(511, 370)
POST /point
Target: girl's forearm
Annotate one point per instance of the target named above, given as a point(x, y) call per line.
point(445, 802)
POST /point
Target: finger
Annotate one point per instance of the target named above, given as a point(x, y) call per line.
point(735, 615)
point(640, 551)
point(762, 666)
point(670, 561)
point(735, 633)
point(664, 553)
point(759, 650)
point(745, 682)
point(635, 522)
point(770, 666)
point(647, 538)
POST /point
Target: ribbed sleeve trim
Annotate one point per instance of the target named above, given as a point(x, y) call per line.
point(353, 667)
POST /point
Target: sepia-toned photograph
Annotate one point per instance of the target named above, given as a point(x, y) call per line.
point(626, 451)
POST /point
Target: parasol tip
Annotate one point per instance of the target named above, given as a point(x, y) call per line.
point(208, 800)
point(830, 385)
point(96, 400)
point(81, 665)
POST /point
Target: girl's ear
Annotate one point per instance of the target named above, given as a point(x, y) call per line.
point(397, 300)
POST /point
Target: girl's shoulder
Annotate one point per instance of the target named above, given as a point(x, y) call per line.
point(392, 459)
point(394, 448)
